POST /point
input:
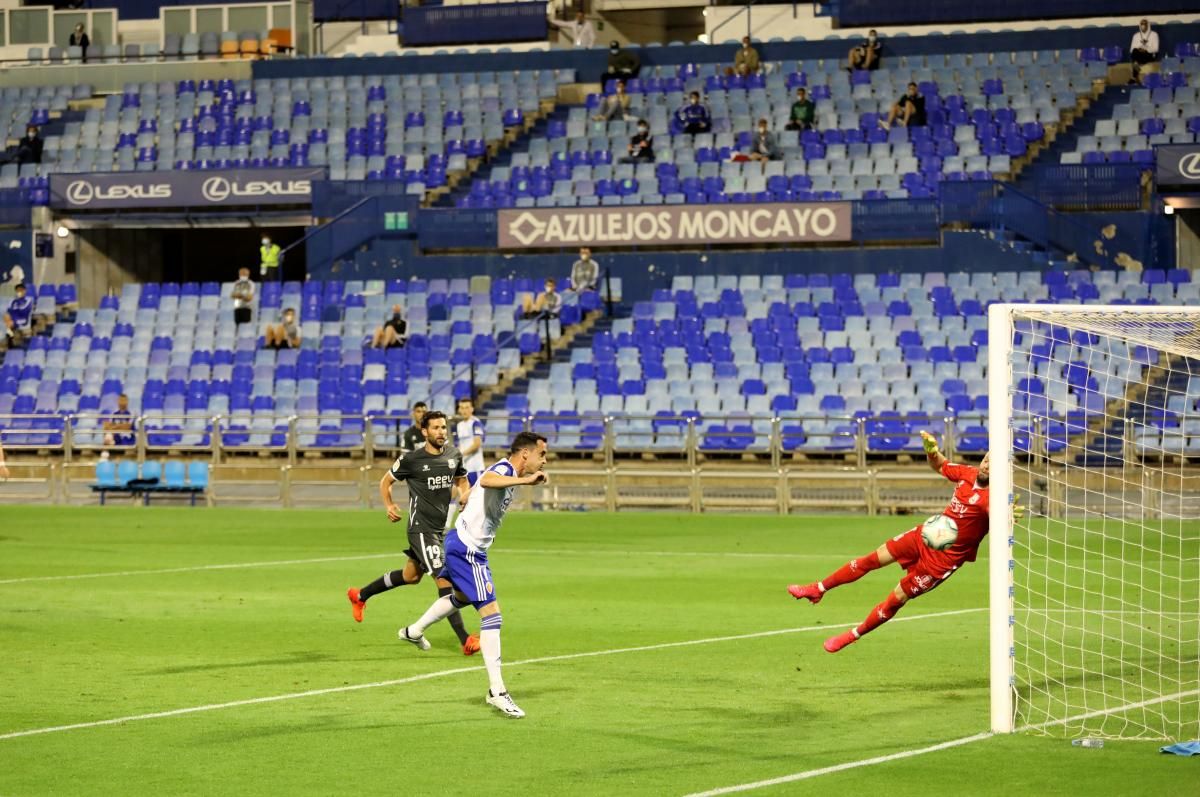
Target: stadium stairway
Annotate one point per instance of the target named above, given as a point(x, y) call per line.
point(1082, 123)
point(502, 156)
point(459, 183)
point(494, 401)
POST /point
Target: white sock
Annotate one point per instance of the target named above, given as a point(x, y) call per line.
point(440, 610)
point(489, 644)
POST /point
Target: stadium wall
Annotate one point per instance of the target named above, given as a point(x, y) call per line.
point(642, 272)
point(904, 12)
point(590, 63)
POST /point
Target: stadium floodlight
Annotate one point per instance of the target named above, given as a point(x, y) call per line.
point(1095, 595)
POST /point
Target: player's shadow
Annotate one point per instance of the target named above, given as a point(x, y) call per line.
point(298, 657)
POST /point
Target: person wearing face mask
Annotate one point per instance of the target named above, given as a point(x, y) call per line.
point(393, 332)
point(641, 146)
point(694, 117)
point(865, 55)
point(614, 106)
point(804, 112)
point(79, 38)
point(746, 61)
point(622, 64)
point(30, 150)
point(271, 257)
point(1143, 49)
point(764, 146)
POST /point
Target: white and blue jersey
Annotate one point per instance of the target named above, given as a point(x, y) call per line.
point(467, 546)
point(464, 431)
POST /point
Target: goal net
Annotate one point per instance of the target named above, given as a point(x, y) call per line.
point(1095, 595)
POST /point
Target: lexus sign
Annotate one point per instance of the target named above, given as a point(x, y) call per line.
point(204, 189)
point(1177, 166)
point(804, 222)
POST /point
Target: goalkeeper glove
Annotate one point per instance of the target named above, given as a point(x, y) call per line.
point(929, 442)
point(1018, 511)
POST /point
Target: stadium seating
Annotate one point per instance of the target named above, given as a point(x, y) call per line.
point(983, 111)
point(412, 128)
point(1165, 110)
point(823, 354)
point(175, 350)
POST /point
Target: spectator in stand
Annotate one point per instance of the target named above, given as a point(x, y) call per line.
point(746, 61)
point(285, 334)
point(641, 146)
point(585, 272)
point(866, 54)
point(909, 110)
point(18, 321)
point(694, 117)
point(764, 147)
point(804, 112)
point(1143, 49)
point(414, 437)
point(394, 331)
point(622, 64)
point(270, 257)
point(580, 29)
point(27, 150)
point(79, 38)
point(243, 297)
point(3, 467)
point(548, 303)
point(614, 106)
point(118, 429)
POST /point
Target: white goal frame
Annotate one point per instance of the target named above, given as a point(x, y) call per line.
point(1001, 561)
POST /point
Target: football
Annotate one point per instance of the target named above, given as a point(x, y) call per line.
point(939, 532)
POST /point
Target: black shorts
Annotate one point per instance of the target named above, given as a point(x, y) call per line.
point(241, 315)
point(428, 550)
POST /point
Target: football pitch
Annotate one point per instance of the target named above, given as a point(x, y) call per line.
point(176, 651)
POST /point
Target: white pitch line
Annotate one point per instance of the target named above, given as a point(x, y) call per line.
point(200, 568)
point(979, 737)
point(865, 762)
point(398, 555)
point(443, 673)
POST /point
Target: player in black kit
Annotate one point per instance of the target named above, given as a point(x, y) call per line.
point(432, 473)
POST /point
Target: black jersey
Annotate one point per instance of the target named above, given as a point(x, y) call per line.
point(430, 478)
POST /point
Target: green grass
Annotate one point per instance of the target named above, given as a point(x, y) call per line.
point(666, 721)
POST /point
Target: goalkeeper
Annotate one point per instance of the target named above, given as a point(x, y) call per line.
point(927, 567)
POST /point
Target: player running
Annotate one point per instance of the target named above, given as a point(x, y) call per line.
point(927, 568)
point(467, 558)
point(431, 472)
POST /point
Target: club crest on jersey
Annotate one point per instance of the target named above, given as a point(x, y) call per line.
point(450, 462)
point(974, 499)
point(424, 467)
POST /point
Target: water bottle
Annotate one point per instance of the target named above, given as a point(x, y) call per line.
point(1087, 742)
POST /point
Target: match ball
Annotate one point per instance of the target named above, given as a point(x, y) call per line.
point(939, 532)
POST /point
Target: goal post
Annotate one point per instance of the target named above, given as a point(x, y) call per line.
point(1094, 598)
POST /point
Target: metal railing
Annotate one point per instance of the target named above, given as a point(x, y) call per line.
point(609, 435)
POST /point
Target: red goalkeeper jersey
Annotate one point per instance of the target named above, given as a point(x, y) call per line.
point(969, 509)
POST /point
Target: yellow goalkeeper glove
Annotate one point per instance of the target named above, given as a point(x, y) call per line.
point(1018, 510)
point(929, 442)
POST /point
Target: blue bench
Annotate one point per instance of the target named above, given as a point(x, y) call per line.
point(170, 478)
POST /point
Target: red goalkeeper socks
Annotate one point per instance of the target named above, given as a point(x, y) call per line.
point(880, 614)
point(851, 571)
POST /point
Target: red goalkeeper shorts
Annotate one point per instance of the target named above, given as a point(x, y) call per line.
point(926, 569)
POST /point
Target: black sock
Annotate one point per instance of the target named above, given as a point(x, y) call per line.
point(455, 619)
point(387, 581)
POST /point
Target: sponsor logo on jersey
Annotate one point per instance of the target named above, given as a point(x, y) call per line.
point(439, 482)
